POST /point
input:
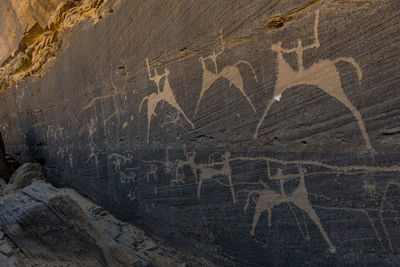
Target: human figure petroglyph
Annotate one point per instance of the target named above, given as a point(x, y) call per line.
point(205, 171)
point(180, 164)
point(392, 182)
point(127, 177)
point(210, 170)
point(230, 72)
point(92, 145)
point(267, 199)
point(322, 74)
point(119, 104)
point(118, 159)
point(152, 172)
point(164, 95)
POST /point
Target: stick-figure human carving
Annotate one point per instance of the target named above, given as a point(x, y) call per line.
point(206, 171)
point(267, 199)
point(230, 72)
point(322, 74)
point(166, 94)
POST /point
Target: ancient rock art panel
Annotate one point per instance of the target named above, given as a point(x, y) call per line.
point(322, 74)
point(122, 167)
point(230, 72)
point(164, 95)
point(118, 96)
point(267, 199)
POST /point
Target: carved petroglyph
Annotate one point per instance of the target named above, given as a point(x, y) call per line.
point(120, 163)
point(119, 159)
point(267, 199)
point(173, 119)
point(118, 97)
point(230, 72)
point(131, 195)
point(322, 74)
point(205, 171)
point(129, 177)
point(168, 166)
point(393, 182)
point(152, 172)
point(92, 145)
point(164, 95)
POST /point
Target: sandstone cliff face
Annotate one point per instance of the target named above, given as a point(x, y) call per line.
point(31, 33)
point(249, 132)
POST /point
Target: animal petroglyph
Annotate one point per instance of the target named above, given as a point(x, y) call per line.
point(172, 119)
point(120, 162)
point(152, 172)
point(206, 171)
point(267, 199)
point(322, 74)
point(230, 72)
point(117, 95)
point(166, 95)
point(118, 159)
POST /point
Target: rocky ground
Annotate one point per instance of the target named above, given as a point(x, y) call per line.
point(45, 226)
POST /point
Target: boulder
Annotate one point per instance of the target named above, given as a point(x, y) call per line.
point(45, 225)
point(25, 174)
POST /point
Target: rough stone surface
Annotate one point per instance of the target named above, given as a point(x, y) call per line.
point(24, 175)
point(45, 226)
point(211, 125)
point(5, 169)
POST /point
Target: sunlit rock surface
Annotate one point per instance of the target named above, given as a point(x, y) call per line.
point(247, 132)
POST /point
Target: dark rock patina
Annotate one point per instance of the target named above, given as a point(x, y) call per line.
point(246, 146)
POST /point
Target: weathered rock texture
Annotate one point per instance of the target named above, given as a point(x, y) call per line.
point(44, 226)
point(249, 132)
point(6, 170)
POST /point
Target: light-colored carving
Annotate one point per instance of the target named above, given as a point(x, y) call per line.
point(230, 72)
point(118, 96)
point(92, 144)
point(126, 175)
point(131, 195)
point(322, 74)
point(119, 159)
point(166, 95)
point(205, 171)
point(152, 172)
point(267, 199)
point(172, 119)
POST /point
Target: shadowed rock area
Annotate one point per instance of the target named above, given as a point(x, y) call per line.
point(246, 133)
point(44, 226)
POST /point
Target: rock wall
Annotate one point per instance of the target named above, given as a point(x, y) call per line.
point(249, 132)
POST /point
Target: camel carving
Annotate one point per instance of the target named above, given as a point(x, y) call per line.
point(322, 74)
point(166, 95)
point(230, 72)
point(267, 199)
